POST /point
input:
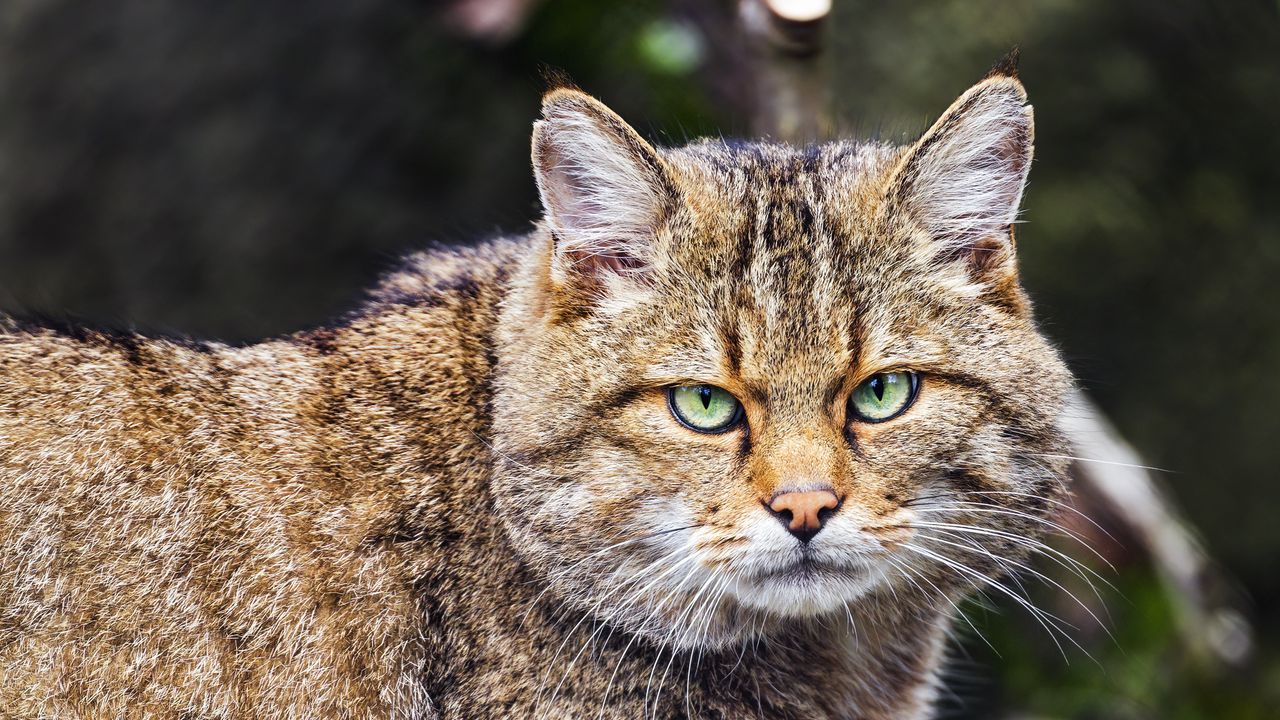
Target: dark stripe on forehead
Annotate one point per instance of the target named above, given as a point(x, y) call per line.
point(745, 245)
point(774, 263)
point(804, 219)
point(737, 293)
point(781, 189)
point(788, 239)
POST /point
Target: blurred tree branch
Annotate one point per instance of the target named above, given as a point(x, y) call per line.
point(1113, 487)
point(792, 83)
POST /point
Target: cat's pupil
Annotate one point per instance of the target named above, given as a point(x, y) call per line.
point(704, 392)
point(877, 387)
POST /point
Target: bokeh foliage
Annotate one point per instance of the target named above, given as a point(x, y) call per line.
point(241, 169)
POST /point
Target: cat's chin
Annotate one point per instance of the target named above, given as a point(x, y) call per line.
point(806, 589)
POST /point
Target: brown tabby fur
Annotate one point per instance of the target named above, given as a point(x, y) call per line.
point(450, 504)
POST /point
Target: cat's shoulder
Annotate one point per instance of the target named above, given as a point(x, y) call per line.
point(439, 273)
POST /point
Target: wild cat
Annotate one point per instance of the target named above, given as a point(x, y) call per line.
point(728, 435)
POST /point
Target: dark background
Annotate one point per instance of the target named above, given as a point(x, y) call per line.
point(242, 169)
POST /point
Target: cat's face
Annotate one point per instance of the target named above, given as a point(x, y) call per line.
point(748, 384)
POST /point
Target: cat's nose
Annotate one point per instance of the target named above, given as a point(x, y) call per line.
point(804, 513)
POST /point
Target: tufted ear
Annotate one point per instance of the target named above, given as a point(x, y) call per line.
point(604, 189)
point(963, 180)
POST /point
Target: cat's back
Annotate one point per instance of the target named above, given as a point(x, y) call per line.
point(85, 399)
point(179, 520)
point(70, 388)
point(95, 464)
point(103, 408)
point(90, 416)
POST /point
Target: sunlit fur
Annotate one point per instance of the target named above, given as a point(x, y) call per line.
point(469, 499)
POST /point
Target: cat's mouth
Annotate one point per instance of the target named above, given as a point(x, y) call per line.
point(807, 585)
point(808, 569)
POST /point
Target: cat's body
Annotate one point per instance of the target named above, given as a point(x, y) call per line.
point(468, 500)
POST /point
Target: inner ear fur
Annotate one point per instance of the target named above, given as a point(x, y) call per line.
point(605, 190)
point(963, 180)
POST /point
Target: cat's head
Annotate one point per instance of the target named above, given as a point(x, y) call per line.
point(748, 383)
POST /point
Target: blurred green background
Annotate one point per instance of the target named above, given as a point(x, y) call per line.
point(243, 168)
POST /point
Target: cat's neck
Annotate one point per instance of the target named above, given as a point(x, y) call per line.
point(575, 666)
point(408, 378)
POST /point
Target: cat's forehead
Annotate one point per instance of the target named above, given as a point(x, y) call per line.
point(765, 260)
point(776, 213)
point(758, 167)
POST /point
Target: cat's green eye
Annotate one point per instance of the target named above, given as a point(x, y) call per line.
point(884, 396)
point(705, 408)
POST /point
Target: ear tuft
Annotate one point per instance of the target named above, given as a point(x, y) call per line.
point(604, 189)
point(963, 180)
point(554, 78)
point(1007, 66)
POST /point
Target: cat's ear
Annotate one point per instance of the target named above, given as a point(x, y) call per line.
point(963, 180)
point(604, 189)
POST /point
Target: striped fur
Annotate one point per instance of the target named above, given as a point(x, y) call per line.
point(469, 499)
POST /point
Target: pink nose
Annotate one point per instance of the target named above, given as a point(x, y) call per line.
point(804, 512)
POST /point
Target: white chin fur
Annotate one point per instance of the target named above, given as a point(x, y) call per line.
point(805, 594)
point(836, 569)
